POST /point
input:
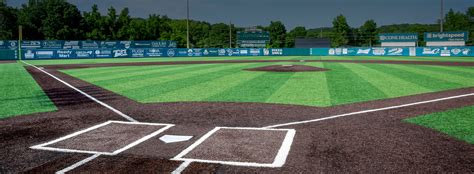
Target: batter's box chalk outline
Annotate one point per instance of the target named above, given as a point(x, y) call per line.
point(43, 146)
point(279, 160)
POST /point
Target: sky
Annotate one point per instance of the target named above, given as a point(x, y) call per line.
point(307, 13)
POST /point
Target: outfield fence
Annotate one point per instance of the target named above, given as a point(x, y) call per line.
point(36, 54)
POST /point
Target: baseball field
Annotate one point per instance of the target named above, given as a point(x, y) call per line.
point(238, 115)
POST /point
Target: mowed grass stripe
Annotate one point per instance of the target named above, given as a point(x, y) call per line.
point(145, 79)
point(304, 88)
point(345, 86)
point(391, 85)
point(141, 74)
point(103, 71)
point(212, 87)
point(19, 92)
point(167, 84)
point(458, 71)
point(258, 89)
point(424, 70)
point(429, 82)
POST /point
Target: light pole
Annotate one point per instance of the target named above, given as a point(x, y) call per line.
point(187, 23)
point(441, 21)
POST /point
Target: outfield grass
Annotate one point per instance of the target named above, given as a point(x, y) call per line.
point(19, 93)
point(344, 83)
point(125, 60)
point(457, 123)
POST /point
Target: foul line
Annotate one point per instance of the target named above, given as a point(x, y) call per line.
point(85, 94)
point(369, 111)
point(187, 162)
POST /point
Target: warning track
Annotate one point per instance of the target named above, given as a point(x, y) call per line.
point(376, 141)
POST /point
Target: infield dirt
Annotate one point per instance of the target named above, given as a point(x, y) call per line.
point(372, 142)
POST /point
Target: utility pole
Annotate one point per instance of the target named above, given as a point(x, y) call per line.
point(187, 23)
point(441, 21)
point(230, 34)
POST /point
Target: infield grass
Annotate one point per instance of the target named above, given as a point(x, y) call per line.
point(19, 93)
point(344, 83)
point(457, 123)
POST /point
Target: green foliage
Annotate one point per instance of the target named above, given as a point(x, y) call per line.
point(340, 31)
point(8, 22)
point(58, 19)
point(277, 34)
point(298, 32)
point(368, 32)
point(456, 21)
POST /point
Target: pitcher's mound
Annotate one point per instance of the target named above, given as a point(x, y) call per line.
point(287, 68)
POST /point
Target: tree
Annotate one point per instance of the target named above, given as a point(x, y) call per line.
point(368, 32)
point(340, 31)
point(298, 32)
point(94, 21)
point(456, 21)
point(277, 34)
point(111, 24)
point(8, 22)
point(123, 22)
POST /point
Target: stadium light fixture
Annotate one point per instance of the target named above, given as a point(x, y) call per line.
point(187, 23)
point(441, 21)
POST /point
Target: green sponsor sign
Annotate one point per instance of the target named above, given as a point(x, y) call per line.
point(398, 37)
point(446, 36)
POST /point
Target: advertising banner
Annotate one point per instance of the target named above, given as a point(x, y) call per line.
point(445, 51)
point(32, 44)
point(446, 36)
point(398, 37)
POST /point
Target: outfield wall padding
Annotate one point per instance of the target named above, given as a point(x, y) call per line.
point(35, 54)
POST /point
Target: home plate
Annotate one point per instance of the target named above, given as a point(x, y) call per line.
point(174, 138)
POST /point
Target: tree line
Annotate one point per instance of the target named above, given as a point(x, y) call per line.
point(60, 20)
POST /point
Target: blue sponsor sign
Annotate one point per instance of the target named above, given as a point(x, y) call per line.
point(398, 37)
point(446, 36)
point(31, 44)
point(65, 54)
point(71, 44)
point(89, 45)
point(109, 44)
point(52, 44)
point(120, 53)
point(103, 53)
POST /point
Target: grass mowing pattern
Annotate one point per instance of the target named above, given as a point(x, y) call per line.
point(19, 93)
point(167, 59)
point(458, 123)
point(344, 83)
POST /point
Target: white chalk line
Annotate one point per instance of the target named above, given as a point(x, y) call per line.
point(78, 164)
point(136, 142)
point(85, 94)
point(279, 160)
point(181, 167)
point(370, 110)
point(288, 146)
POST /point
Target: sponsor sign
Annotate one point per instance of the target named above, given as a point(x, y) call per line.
point(44, 54)
point(29, 54)
point(84, 53)
point(52, 44)
point(64, 54)
point(71, 45)
point(398, 37)
point(137, 52)
point(103, 53)
point(154, 52)
point(395, 52)
point(109, 44)
point(90, 45)
point(446, 36)
point(33, 44)
point(120, 53)
point(363, 51)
